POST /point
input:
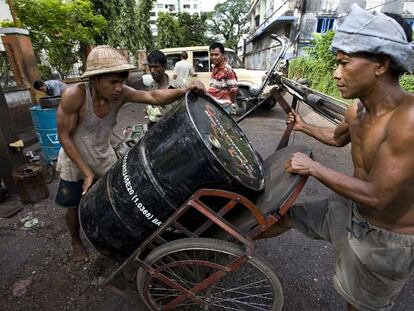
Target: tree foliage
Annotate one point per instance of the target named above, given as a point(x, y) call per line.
point(59, 27)
point(192, 29)
point(145, 38)
point(181, 29)
point(109, 9)
point(317, 67)
point(229, 21)
point(122, 23)
point(407, 82)
point(168, 31)
point(125, 31)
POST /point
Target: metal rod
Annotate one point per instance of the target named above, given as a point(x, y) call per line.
point(283, 43)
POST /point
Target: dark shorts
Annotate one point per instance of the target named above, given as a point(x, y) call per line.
point(372, 263)
point(69, 193)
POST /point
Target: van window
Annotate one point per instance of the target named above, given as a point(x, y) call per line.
point(201, 61)
point(233, 60)
point(171, 60)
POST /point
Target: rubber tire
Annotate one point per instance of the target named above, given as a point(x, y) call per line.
point(242, 106)
point(269, 104)
point(243, 93)
point(212, 245)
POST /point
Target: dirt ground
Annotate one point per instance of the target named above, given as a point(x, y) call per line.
point(42, 255)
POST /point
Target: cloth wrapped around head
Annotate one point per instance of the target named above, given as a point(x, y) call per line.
point(374, 33)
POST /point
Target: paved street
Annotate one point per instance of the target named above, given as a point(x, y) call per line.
point(304, 266)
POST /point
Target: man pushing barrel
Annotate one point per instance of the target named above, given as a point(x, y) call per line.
point(370, 221)
point(86, 117)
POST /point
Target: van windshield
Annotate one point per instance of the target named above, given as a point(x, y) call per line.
point(233, 60)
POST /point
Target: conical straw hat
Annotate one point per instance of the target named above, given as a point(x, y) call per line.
point(105, 59)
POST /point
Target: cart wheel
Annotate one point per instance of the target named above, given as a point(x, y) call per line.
point(253, 286)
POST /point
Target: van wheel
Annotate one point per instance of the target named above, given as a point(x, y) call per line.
point(269, 104)
point(243, 94)
point(242, 104)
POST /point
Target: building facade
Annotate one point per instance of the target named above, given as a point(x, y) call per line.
point(173, 6)
point(5, 14)
point(299, 19)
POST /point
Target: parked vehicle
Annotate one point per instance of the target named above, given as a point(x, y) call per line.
point(249, 80)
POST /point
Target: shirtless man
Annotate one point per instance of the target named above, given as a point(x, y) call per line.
point(86, 117)
point(370, 221)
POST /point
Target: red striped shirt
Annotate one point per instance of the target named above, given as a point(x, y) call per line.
point(223, 84)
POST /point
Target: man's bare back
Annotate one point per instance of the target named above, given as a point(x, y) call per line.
point(370, 135)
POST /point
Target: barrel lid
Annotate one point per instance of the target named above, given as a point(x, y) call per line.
point(225, 140)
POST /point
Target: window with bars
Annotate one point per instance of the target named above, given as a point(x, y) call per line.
point(325, 24)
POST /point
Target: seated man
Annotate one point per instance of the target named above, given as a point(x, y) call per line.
point(157, 63)
point(370, 221)
point(50, 87)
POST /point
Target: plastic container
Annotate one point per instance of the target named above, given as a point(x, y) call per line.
point(44, 121)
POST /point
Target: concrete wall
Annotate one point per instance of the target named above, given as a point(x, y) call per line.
point(261, 53)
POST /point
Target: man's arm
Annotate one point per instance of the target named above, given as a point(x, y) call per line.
point(192, 72)
point(232, 85)
point(67, 122)
point(337, 137)
point(159, 97)
point(392, 168)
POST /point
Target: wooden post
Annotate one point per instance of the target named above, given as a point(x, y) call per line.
point(21, 57)
point(13, 12)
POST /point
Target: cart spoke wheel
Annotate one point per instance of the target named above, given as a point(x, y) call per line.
point(188, 262)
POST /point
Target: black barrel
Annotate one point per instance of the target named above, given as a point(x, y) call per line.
point(198, 145)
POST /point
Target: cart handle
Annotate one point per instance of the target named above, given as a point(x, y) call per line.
point(235, 198)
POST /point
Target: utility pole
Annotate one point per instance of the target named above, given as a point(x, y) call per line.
point(12, 11)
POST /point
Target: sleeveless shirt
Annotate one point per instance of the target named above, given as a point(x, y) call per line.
point(91, 138)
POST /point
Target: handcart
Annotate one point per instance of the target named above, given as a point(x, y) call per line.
point(213, 266)
point(202, 257)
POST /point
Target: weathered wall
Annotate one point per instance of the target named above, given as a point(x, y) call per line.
point(260, 50)
point(19, 101)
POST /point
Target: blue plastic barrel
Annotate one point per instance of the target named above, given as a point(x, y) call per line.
point(44, 121)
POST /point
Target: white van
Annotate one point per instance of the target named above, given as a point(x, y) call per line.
point(199, 56)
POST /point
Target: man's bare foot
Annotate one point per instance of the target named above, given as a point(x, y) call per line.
point(79, 253)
